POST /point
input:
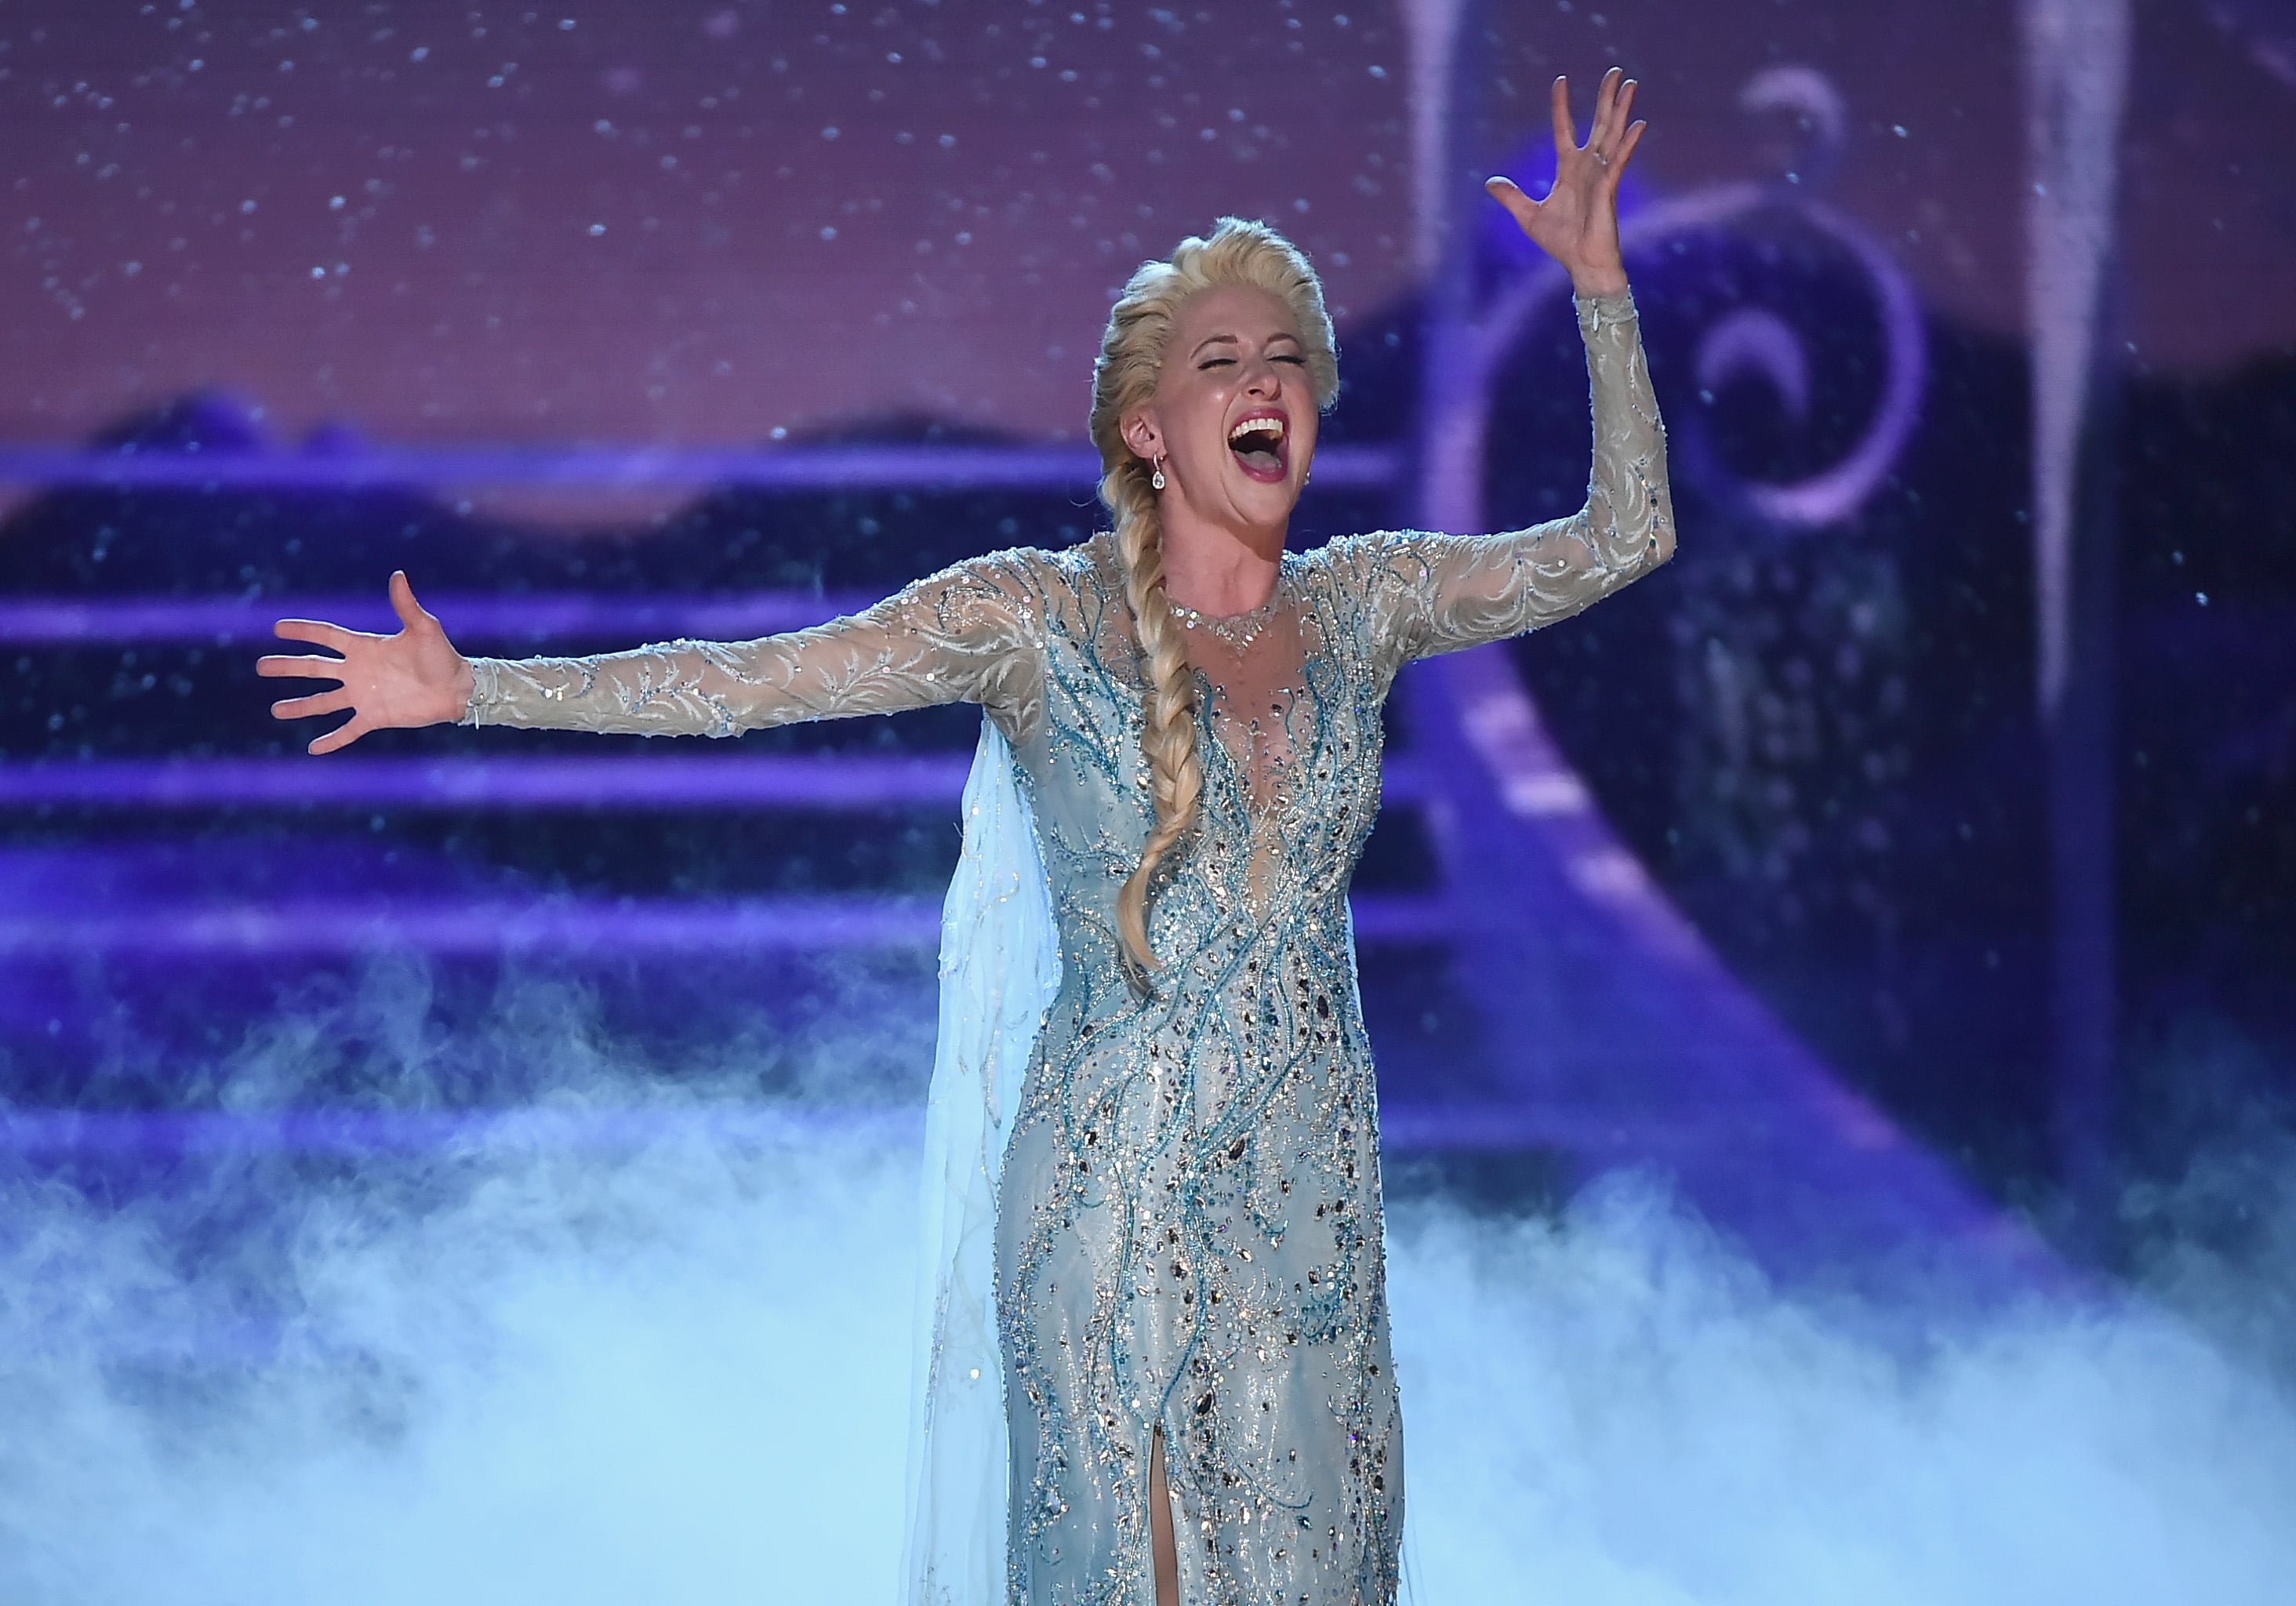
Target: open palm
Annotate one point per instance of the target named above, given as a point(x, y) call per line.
point(1578, 222)
point(412, 678)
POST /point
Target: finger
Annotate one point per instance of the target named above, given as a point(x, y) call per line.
point(1620, 108)
point(1566, 137)
point(317, 702)
point(1626, 149)
point(1606, 93)
point(316, 668)
point(410, 612)
point(319, 633)
point(1509, 195)
point(341, 736)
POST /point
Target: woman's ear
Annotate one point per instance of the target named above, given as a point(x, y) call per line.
point(1141, 435)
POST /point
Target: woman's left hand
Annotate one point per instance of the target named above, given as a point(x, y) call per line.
point(1578, 222)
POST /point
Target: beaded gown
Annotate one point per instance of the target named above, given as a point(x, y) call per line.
point(1188, 1236)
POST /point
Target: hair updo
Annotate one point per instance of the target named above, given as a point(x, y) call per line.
point(1124, 377)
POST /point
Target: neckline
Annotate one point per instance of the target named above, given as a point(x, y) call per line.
point(1284, 564)
point(1238, 631)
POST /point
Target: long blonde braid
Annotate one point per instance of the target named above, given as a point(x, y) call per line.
point(1237, 251)
point(1175, 769)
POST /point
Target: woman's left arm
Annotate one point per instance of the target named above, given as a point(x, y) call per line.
point(1464, 590)
point(1450, 592)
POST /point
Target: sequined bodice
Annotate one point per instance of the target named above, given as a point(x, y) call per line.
point(1288, 730)
point(1188, 1236)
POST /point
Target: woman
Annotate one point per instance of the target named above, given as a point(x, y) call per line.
point(1189, 1286)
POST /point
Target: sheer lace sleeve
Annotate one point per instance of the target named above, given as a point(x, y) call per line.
point(971, 633)
point(1435, 593)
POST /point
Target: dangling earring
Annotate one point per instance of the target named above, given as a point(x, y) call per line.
point(1156, 480)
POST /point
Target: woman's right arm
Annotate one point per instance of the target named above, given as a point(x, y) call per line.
point(967, 635)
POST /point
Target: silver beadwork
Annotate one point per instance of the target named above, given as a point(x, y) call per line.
point(1238, 630)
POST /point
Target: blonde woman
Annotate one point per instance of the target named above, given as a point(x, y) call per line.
point(1153, 1099)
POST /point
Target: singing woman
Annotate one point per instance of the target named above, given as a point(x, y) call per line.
point(1190, 1327)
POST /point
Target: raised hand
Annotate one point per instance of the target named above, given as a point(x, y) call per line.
point(388, 682)
point(1578, 222)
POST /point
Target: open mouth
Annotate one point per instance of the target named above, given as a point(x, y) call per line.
point(1259, 445)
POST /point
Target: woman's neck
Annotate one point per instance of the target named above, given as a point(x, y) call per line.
point(1220, 572)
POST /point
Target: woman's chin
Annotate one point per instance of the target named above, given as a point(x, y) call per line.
point(1257, 495)
point(1269, 507)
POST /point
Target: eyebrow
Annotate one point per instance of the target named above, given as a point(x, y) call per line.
point(1229, 339)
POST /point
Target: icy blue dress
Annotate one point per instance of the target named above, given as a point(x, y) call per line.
point(1175, 1197)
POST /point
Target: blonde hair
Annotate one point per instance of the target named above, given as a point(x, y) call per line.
point(1238, 251)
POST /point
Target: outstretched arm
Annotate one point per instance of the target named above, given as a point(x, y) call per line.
point(967, 635)
point(1457, 591)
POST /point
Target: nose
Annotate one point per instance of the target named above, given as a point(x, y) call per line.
point(1260, 377)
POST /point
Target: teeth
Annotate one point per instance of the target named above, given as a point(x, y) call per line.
point(1257, 426)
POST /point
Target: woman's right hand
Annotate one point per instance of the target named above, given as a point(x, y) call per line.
point(388, 682)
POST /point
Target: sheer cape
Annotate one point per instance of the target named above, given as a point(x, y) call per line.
point(1000, 966)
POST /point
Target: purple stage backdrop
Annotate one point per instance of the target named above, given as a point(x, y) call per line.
point(693, 223)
